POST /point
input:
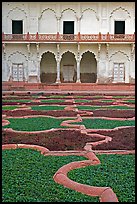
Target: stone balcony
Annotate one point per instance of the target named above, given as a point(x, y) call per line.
point(75, 38)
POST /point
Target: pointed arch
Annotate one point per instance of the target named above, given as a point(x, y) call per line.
point(88, 67)
point(68, 50)
point(88, 50)
point(46, 10)
point(15, 53)
point(48, 66)
point(48, 51)
point(16, 8)
point(67, 9)
point(119, 8)
point(90, 10)
point(119, 51)
point(68, 66)
point(45, 20)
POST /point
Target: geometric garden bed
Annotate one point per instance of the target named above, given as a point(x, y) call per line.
point(73, 124)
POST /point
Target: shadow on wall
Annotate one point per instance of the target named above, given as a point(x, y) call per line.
point(48, 77)
point(84, 77)
point(88, 77)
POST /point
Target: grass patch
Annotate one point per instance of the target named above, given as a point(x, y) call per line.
point(115, 171)
point(57, 96)
point(103, 107)
point(35, 124)
point(39, 108)
point(16, 100)
point(83, 101)
point(130, 101)
point(119, 96)
point(9, 107)
point(105, 124)
point(108, 100)
point(52, 101)
point(32, 178)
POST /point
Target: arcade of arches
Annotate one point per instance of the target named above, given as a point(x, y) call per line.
point(68, 68)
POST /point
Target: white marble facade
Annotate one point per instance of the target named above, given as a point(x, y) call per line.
point(67, 61)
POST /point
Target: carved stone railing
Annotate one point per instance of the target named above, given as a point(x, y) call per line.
point(68, 37)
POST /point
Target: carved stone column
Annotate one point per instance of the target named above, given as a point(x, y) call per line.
point(98, 61)
point(58, 64)
point(38, 62)
point(5, 71)
point(78, 65)
point(107, 59)
point(58, 23)
point(132, 65)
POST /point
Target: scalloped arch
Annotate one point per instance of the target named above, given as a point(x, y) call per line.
point(46, 10)
point(90, 10)
point(116, 9)
point(17, 52)
point(121, 53)
point(86, 52)
point(44, 52)
point(70, 52)
point(18, 9)
point(67, 10)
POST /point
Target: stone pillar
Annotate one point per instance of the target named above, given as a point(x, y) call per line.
point(132, 65)
point(38, 63)
point(58, 23)
point(27, 71)
point(98, 61)
point(58, 64)
point(58, 72)
point(78, 72)
point(78, 65)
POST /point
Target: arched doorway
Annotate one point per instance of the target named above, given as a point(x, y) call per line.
point(48, 66)
point(68, 68)
point(88, 68)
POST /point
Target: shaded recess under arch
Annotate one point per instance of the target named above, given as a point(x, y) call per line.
point(88, 68)
point(48, 72)
point(68, 68)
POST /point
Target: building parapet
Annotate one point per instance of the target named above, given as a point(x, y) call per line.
point(68, 37)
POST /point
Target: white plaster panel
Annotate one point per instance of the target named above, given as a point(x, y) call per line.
point(89, 23)
point(47, 22)
point(33, 22)
point(68, 15)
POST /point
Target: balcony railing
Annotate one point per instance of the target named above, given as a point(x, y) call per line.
point(68, 37)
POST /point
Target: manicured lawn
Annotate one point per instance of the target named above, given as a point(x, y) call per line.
point(27, 176)
point(115, 171)
point(130, 100)
point(9, 107)
point(83, 101)
point(119, 96)
point(105, 124)
point(108, 100)
point(35, 124)
point(52, 101)
point(56, 96)
point(103, 107)
point(17, 100)
point(47, 108)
